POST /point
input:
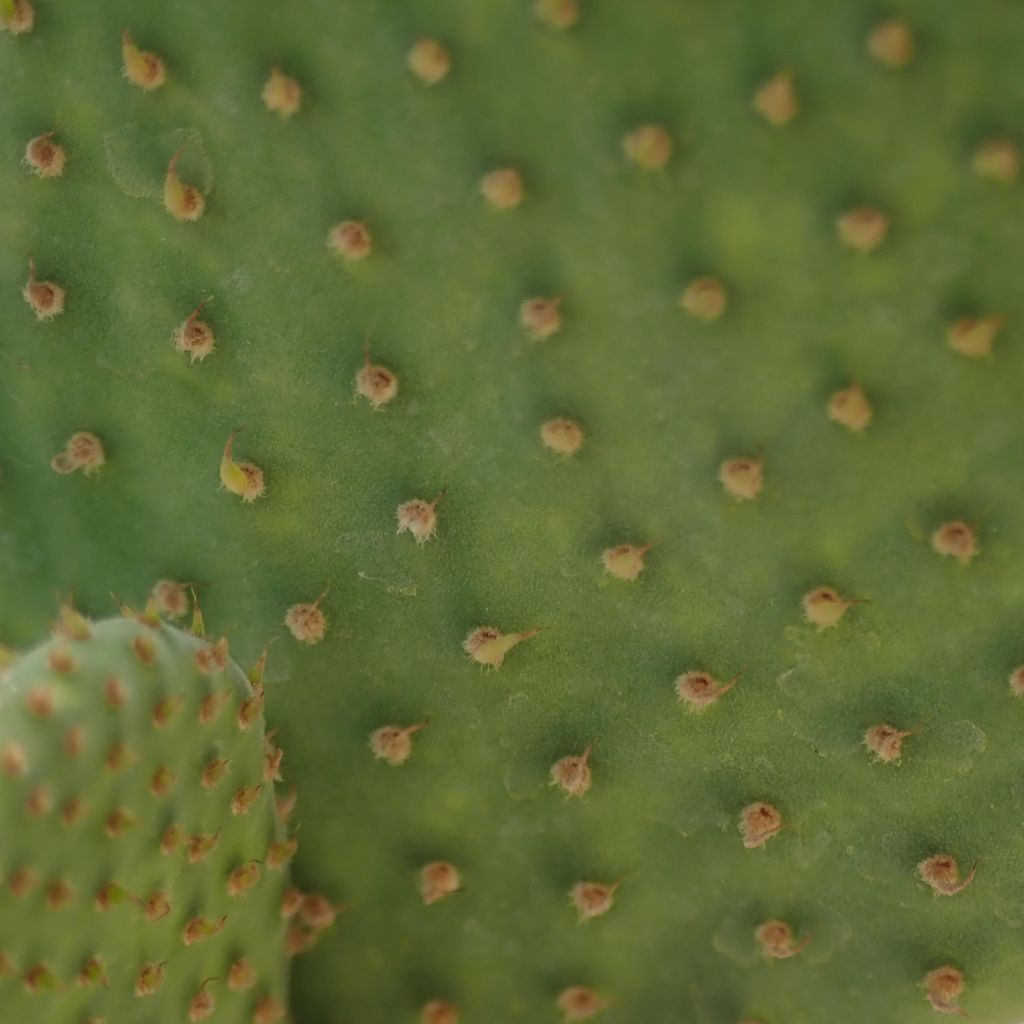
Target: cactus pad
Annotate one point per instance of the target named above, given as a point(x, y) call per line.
point(614, 408)
point(143, 857)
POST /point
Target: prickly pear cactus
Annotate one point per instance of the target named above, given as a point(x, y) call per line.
point(613, 409)
point(143, 856)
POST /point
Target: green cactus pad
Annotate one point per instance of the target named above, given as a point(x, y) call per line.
point(693, 329)
point(142, 853)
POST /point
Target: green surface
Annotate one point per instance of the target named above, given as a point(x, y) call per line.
point(140, 910)
point(663, 399)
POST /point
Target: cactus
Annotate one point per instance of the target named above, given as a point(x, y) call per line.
point(144, 854)
point(614, 410)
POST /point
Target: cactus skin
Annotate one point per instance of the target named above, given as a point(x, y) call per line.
point(105, 912)
point(664, 399)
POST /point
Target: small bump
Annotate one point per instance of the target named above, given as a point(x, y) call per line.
point(198, 847)
point(648, 146)
point(541, 317)
point(823, 607)
point(39, 802)
point(60, 895)
point(300, 939)
point(21, 882)
point(39, 978)
point(439, 1011)
point(195, 337)
point(170, 598)
point(282, 94)
point(759, 822)
point(244, 798)
point(891, 43)
point(562, 436)
point(974, 336)
point(580, 1003)
point(72, 812)
point(318, 912)
point(46, 298)
point(488, 646)
point(700, 690)
point(211, 706)
point(268, 1011)
point(776, 940)
point(13, 760)
point(776, 99)
point(171, 839)
point(625, 561)
point(40, 701)
point(377, 384)
point(573, 774)
point(742, 477)
point(74, 740)
point(438, 880)
point(92, 974)
point(82, 451)
point(118, 822)
point(165, 711)
point(250, 709)
point(212, 772)
point(704, 298)
point(119, 756)
point(850, 408)
point(306, 622)
point(61, 661)
point(44, 157)
point(183, 202)
point(114, 692)
point(942, 873)
point(157, 907)
point(285, 804)
point(144, 649)
point(272, 764)
point(17, 17)
point(281, 852)
point(149, 980)
point(502, 188)
point(997, 160)
point(393, 744)
point(429, 60)
point(351, 240)
point(202, 1005)
point(956, 539)
point(419, 518)
point(885, 742)
point(290, 903)
point(592, 899)
point(199, 929)
point(862, 228)
point(241, 478)
point(558, 14)
point(242, 879)
point(1017, 682)
point(241, 976)
point(141, 67)
point(943, 988)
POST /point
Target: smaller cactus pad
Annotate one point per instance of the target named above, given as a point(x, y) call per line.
point(143, 860)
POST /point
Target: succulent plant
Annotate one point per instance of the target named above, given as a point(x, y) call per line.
point(144, 854)
point(612, 411)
